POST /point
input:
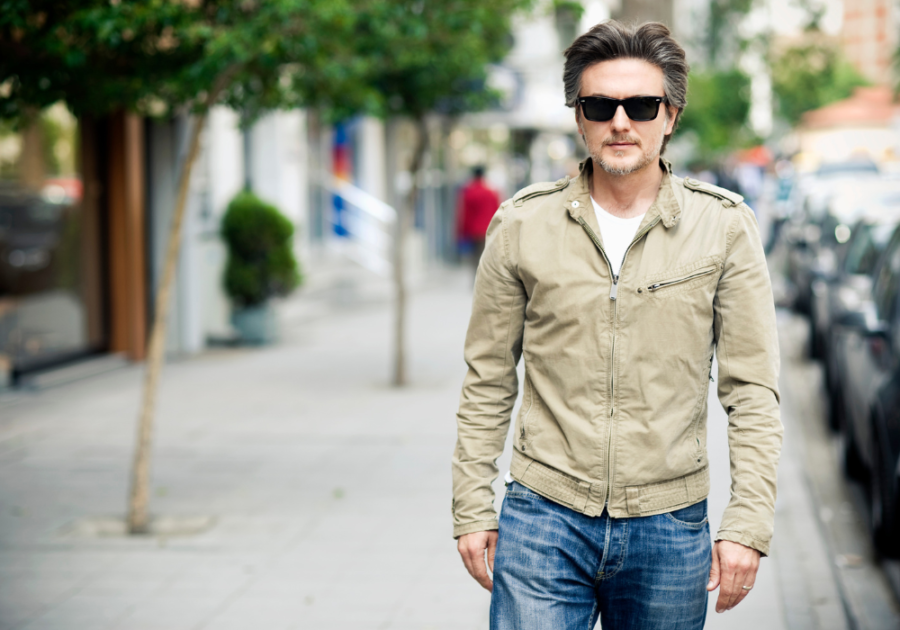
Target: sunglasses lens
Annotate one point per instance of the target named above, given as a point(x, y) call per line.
point(641, 108)
point(598, 109)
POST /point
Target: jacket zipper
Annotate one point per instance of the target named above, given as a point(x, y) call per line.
point(613, 291)
point(661, 285)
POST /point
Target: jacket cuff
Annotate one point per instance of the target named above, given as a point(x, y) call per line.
point(477, 526)
point(744, 539)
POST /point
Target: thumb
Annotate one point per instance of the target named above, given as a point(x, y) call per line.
point(713, 572)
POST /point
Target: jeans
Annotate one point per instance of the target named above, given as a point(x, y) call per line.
point(557, 569)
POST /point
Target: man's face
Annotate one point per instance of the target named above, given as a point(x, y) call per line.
point(622, 146)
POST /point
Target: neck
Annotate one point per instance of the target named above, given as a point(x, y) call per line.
point(629, 195)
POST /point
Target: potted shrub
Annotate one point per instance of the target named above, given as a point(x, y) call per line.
point(260, 265)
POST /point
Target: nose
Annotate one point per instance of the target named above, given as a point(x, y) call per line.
point(620, 120)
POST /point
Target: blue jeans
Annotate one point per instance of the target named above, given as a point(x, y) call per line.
point(557, 569)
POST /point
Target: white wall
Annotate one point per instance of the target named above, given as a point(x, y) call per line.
point(278, 163)
point(371, 160)
point(280, 169)
point(223, 163)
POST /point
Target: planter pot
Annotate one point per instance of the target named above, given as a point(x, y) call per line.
point(256, 324)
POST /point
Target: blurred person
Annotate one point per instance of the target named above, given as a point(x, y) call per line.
point(617, 287)
point(477, 205)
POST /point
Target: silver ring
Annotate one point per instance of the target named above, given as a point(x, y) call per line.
point(746, 588)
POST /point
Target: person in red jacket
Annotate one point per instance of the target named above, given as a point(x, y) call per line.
point(477, 205)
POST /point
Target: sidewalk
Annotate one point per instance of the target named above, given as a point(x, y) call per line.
point(329, 493)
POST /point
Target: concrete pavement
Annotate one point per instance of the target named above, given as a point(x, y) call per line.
point(328, 493)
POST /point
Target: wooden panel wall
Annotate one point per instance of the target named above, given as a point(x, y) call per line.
point(90, 165)
point(127, 257)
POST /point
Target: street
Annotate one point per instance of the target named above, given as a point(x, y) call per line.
point(293, 488)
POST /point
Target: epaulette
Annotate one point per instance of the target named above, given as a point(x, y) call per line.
point(730, 198)
point(535, 190)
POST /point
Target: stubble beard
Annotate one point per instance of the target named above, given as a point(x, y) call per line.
point(646, 158)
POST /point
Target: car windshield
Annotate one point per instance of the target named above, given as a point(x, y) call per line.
point(866, 245)
point(846, 168)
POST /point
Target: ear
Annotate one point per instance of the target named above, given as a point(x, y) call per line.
point(578, 123)
point(671, 115)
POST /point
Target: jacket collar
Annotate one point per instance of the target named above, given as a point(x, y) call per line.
point(666, 206)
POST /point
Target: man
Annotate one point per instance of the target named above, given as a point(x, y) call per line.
point(617, 287)
point(477, 205)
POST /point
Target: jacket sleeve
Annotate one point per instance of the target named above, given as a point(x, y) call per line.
point(747, 350)
point(492, 351)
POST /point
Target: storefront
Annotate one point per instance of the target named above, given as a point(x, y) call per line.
point(71, 256)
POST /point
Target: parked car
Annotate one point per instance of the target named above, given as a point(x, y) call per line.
point(834, 188)
point(870, 386)
point(844, 291)
point(878, 206)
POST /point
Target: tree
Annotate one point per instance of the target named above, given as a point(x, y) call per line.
point(150, 55)
point(428, 57)
point(811, 74)
point(718, 105)
point(718, 92)
point(721, 38)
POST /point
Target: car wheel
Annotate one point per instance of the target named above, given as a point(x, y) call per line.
point(836, 418)
point(814, 345)
point(883, 502)
point(854, 467)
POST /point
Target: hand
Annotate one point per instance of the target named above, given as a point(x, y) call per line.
point(472, 547)
point(733, 566)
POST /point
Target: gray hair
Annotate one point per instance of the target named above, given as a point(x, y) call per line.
point(651, 42)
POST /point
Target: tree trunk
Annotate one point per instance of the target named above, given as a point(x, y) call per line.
point(405, 215)
point(32, 167)
point(140, 475)
point(138, 516)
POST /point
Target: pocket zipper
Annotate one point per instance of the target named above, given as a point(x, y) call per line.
point(661, 285)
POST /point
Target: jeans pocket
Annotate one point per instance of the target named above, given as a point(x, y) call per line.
point(515, 489)
point(693, 516)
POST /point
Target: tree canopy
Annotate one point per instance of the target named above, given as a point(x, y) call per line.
point(430, 56)
point(349, 56)
point(809, 75)
point(152, 56)
point(718, 105)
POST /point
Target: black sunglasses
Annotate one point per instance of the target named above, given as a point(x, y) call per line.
point(637, 108)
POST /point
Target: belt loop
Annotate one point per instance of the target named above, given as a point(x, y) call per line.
point(580, 499)
point(633, 500)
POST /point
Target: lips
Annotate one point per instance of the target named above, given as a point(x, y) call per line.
point(622, 143)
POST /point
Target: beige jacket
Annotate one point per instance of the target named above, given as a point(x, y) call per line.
point(617, 369)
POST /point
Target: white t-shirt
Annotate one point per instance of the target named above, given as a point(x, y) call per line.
point(617, 234)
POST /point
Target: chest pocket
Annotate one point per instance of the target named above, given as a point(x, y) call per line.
point(681, 281)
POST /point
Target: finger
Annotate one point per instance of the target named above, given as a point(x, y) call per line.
point(747, 572)
point(744, 574)
point(480, 567)
point(749, 579)
point(464, 554)
point(726, 586)
point(492, 551)
point(713, 572)
point(475, 564)
point(738, 591)
point(734, 590)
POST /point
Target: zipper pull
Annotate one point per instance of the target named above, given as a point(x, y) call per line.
point(614, 288)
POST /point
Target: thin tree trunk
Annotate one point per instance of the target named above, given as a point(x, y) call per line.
point(32, 169)
point(138, 515)
point(405, 216)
